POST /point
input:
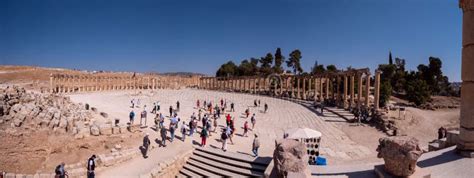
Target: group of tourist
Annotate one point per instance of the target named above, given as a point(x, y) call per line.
point(60, 170)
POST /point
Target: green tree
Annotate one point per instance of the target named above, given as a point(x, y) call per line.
point(245, 68)
point(266, 64)
point(331, 68)
point(390, 60)
point(294, 61)
point(277, 68)
point(227, 70)
point(417, 91)
point(318, 69)
point(385, 93)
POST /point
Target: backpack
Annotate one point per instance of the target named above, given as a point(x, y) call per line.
point(223, 136)
point(57, 171)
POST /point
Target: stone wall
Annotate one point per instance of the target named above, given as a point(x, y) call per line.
point(171, 167)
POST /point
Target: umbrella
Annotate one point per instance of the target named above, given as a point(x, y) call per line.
point(303, 133)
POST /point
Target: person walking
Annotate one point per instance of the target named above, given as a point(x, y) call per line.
point(255, 145)
point(177, 105)
point(146, 144)
point(247, 113)
point(171, 111)
point(227, 120)
point(191, 129)
point(246, 128)
point(232, 107)
point(203, 137)
point(224, 137)
point(172, 129)
point(183, 131)
point(163, 136)
point(91, 167)
point(265, 107)
point(228, 131)
point(143, 117)
point(253, 120)
point(60, 171)
point(132, 117)
point(198, 103)
point(215, 124)
point(209, 126)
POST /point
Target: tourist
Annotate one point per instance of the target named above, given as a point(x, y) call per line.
point(255, 103)
point(146, 144)
point(162, 120)
point(228, 131)
point(143, 117)
point(204, 104)
point(255, 145)
point(203, 137)
point(154, 108)
point(172, 129)
point(258, 103)
point(91, 167)
point(227, 120)
point(218, 113)
point(177, 105)
point(253, 120)
point(158, 106)
point(441, 133)
point(209, 126)
point(224, 137)
point(222, 102)
point(197, 103)
point(60, 171)
point(215, 124)
point(232, 130)
point(246, 128)
point(163, 136)
point(204, 121)
point(191, 129)
point(199, 114)
point(183, 131)
point(132, 117)
point(157, 121)
point(232, 107)
point(171, 111)
point(247, 113)
point(133, 103)
point(265, 107)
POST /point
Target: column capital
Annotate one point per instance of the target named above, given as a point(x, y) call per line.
point(466, 5)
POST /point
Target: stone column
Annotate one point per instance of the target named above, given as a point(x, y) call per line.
point(345, 103)
point(298, 88)
point(338, 93)
point(466, 136)
point(304, 88)
point(351, 103)
point(321, 89)
point(359, 92)
point(51, 84)
point(367, 90)
point(377, 90)
point(326, 80)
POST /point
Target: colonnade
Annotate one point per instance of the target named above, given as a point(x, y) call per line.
point(329, 87)
point(64, 83)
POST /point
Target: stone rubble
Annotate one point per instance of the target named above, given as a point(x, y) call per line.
point(400, 154)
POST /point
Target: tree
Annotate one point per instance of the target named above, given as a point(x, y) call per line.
point(245, 68)
point(266, 64)
point(417, 91)
point(331, 68)
point(318, 69)
point(294, 61)
point(385, 93)
point(254, 66)
point(277, 68)
point(390, 61)
point(227, 70)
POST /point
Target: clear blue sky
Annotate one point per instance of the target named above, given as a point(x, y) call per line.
point(198, 36)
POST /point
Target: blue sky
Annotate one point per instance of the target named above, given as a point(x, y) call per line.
point(199, 36)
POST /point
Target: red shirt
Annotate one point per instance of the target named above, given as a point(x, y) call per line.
point(228, 117)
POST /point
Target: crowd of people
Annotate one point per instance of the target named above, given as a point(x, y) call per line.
point(208, 113)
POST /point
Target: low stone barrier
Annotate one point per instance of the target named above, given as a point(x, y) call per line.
point(171, 167)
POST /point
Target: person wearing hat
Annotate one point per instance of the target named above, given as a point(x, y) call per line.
point(255, 145)
point(146, 144)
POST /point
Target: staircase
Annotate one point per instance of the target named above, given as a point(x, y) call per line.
point(215, 163)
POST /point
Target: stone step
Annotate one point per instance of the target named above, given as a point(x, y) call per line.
point(235, 163)
point(192, 171)
point(227, 167)
point(211, 169)
point(180, 175)
point(237, 157)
